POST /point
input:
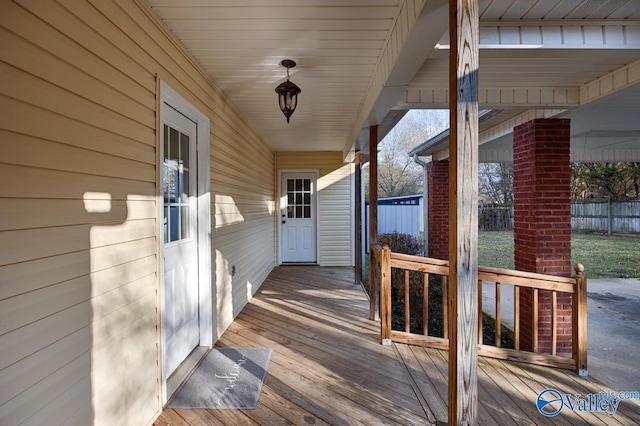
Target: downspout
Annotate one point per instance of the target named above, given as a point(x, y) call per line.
point(425, 203)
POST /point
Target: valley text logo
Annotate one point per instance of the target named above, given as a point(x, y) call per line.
point(551, 402)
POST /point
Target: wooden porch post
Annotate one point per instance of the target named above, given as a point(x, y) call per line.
point(374, 282)
point(463, 212)
point(358, 218)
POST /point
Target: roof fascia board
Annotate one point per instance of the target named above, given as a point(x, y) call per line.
point(619, 79)
point(556, 35)
point(495, 97)
point(405, 52)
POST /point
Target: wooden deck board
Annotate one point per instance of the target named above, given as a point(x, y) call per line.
point(328, 367)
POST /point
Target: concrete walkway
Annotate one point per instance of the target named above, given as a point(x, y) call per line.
point(613, 307)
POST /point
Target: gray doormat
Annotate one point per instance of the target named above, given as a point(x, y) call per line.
point(226, 378)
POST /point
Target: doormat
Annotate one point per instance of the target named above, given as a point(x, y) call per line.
point(226, 378)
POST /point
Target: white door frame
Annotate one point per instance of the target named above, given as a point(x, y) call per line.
point(316, 174)
point(203, 199)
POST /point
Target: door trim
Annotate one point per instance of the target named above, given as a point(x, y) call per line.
point(203, 200)
point(316, 174)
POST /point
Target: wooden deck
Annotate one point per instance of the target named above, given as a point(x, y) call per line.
point(329, 368)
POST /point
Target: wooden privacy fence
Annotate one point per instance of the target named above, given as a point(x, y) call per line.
point(598, 215)
point(436, 271)
point(495, 217)
point(605, 215)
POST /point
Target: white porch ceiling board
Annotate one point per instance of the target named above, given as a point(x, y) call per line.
point(273, 12)
point(280, 35)
point(337, 44)
point(356, 58)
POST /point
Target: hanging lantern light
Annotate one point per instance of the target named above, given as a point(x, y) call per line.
point(288, 92)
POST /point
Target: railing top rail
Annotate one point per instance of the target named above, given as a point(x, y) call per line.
point(506, 276)
point(523, 274)
point(527, 279)
point(419, 259)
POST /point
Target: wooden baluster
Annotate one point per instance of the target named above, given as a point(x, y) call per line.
point(445, 308)
point(534, 332)
point(516, 316)
point(554, 322)
point(498, 320)
point(385, 294)
point(425, 305)
point(480, 340)
point(407, 307)
point(579, 322)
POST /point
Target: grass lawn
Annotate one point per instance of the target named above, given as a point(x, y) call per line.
point(602, 256)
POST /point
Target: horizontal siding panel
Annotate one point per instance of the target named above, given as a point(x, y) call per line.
point(26, 182)
point(57, 128)
point(23, 245)
point(114, 340)
point(27, 276)
point(84, 110)
point(20, 408)
point(29, 307)
point(108, 303)
point(227, 177)
point(124, 253)
point(122, 117)
point(61, 408)
point(26, 373)
point(251, 148)
point(55, 34)
point(30, 338)
point(153, 45)
point(131, 230)
point(40, 153)
point(23, 213)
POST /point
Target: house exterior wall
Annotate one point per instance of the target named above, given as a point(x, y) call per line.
point(335, 198)
point(79, 243)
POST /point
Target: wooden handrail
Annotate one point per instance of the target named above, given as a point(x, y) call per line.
point(519, 279)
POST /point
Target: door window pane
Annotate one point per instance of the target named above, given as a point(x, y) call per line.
point(176, 185)
point(299, 193)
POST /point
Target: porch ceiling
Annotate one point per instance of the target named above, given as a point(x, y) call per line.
point(365, 62)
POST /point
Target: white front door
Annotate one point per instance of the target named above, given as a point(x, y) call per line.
point(180, 315)
point(298, 217)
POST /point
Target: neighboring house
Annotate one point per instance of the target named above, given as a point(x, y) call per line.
point(143, 204)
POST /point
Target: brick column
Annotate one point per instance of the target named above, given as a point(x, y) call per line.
point(438, 192)
point(542, 224)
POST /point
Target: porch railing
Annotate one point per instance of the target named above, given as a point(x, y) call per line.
point(435, 272)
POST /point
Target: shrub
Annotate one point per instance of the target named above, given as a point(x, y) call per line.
point(402, 243)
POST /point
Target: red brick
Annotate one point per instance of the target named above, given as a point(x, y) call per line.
point(542, 211)
point(438, 190)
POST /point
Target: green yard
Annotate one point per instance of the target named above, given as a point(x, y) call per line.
point(602, 256)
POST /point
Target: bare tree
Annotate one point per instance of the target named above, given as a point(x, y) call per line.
point(495, 182)
point(398, 174)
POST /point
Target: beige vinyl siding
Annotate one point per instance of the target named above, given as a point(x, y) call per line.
point(335, 199)
point(79, 214)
